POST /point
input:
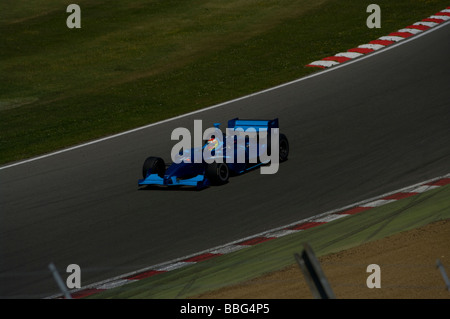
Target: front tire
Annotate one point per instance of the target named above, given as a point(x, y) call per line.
point(153, 165)
point(217, 173)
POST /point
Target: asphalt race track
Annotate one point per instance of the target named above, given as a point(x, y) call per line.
point(372, 126)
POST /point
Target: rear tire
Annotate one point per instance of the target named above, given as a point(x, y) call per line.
point(153, 165)
point(217, 173)
point(283, 145)
point(284, 148)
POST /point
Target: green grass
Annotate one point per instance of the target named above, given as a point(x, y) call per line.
point(237, 267)
point(137, 62)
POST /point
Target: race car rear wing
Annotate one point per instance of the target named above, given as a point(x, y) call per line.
point(258, 125)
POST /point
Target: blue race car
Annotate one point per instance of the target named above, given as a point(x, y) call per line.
point(209, 172)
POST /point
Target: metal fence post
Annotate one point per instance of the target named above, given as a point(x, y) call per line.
point(443, 273)
point(59, 281)
point(314, 274)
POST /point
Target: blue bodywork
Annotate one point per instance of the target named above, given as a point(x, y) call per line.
point(189, 173)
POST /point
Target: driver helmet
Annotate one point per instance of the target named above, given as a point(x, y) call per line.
point(212, 144)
